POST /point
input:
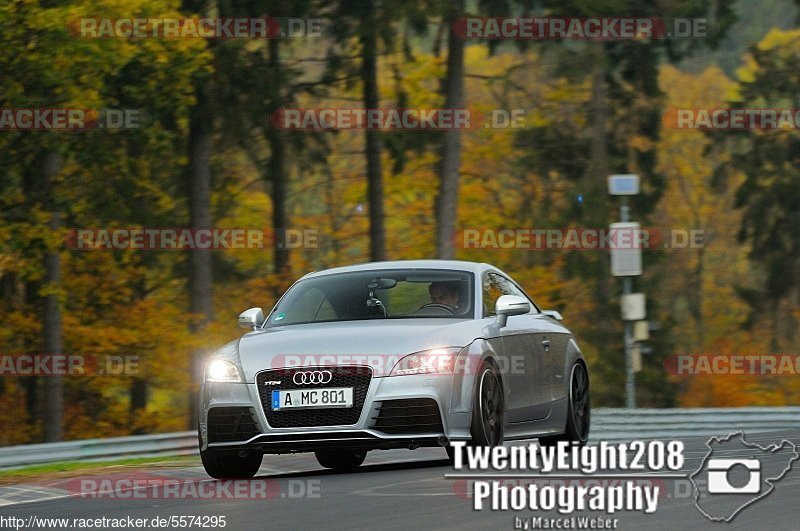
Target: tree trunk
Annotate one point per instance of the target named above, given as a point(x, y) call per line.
point(138, 401)
point(333, 217)
point(138, 385)
point(593, 186)
point(53, 340)
point(374, 143)
point(33, 405)
point(200, 273)
point(699, 287)
point(31, 386)
point(16, 293)
point(599, 144)
point(447, 200)
point(277, 167)
point(597, 174)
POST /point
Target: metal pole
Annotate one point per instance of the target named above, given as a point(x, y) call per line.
point(630, 382)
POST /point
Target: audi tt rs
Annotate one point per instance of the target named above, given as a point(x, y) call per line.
point(391, 355)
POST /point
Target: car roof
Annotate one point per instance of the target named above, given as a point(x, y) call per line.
point(446, 265)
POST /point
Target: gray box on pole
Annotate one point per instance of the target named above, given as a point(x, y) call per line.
point(641, 331)
point(626, 249)
point(632, 306)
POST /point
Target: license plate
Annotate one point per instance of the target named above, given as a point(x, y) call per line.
point(312, 398)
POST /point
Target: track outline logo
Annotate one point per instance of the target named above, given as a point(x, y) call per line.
point(769, 480)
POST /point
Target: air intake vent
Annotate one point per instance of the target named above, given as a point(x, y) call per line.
point(230, 424)
point(409, 416)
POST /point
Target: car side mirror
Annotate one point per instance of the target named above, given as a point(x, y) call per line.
point(252, 318)
point(508, 305)
point(554, 314)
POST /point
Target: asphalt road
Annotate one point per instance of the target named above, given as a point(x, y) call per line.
point(395, 489)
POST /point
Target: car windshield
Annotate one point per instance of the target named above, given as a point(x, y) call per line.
point(377, 294)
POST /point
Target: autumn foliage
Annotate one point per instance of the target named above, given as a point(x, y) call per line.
point(735, 293)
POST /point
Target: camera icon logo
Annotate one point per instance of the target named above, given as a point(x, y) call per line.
point(718, 476)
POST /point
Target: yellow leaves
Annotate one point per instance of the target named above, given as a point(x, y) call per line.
point(747, 72)
point(16, 427)
point(703, 280)
point(477, 59)
point(543, 284)
point(694, 90)
point(776, 38)
point(60, 62)
point(738, 390)
point(640, 143)
point(419, 81)
point(19, 328)
point(252, 211)
point(682, 150)
point(783, 49)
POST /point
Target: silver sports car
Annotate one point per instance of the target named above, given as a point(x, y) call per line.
point(391, 355)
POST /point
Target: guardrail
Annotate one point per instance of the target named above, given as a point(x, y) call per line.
point(167, 444)
point(607, 424)
point(617, 424)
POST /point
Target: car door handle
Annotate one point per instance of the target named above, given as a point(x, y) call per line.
point(546, 344)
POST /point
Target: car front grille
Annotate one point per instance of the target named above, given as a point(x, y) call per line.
point(230, 424)
point(410, 415)
point(357, 377)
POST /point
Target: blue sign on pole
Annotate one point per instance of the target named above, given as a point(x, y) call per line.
point(627, 184)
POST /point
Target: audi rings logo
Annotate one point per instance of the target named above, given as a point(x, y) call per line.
point(312, 377)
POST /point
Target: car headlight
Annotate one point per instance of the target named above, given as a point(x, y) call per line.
point(438, 361)
point(222, 371)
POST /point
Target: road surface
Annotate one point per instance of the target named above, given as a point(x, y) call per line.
point(395, 489)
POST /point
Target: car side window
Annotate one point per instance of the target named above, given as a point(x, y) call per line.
point(492, 290)
point(495, 285)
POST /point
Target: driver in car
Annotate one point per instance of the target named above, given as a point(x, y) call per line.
point(446, 293)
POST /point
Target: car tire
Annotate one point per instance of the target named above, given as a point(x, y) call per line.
point(488, 414)
point(227, 465)
point(579, 409)
point(344, 459)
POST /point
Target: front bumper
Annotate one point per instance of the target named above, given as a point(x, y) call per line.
point(363, 434)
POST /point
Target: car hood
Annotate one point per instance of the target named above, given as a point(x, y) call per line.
point(378, 344)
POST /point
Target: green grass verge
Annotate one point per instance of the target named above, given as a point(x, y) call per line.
point(36, 471)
